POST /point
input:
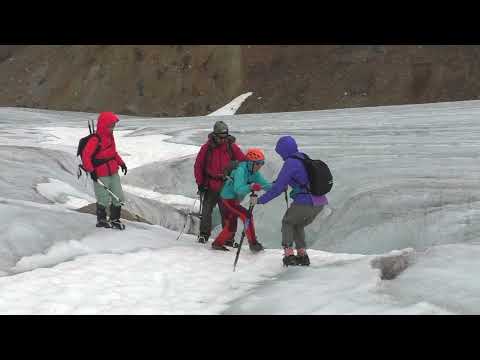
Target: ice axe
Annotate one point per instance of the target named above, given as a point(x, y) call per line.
point(247, 223)
point(110, 192)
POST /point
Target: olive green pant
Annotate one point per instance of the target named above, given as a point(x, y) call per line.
point(294, 221)
point(103, 196)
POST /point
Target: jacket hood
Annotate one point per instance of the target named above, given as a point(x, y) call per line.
point(105, 119)
point(286, 146)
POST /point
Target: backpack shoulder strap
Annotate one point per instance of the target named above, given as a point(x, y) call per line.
point(229, 150)
point(98, 145)
point(303, 160)
point(296, 157)
point(306, 157)
point(205, 164)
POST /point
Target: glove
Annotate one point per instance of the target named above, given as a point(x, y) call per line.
point(124, 169)
point(202, 188)
point(256, 187)
point(94, 176)
point(253, 200)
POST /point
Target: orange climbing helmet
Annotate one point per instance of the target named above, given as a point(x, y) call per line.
point(255, 154)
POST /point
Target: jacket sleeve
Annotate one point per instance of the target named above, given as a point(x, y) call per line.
point(198, 167)
point(279, 186)
point(118, 159)
point(240, 185)
point(237, 153)
point(259, 179)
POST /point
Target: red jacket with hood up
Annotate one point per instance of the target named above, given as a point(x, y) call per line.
point(107, 148)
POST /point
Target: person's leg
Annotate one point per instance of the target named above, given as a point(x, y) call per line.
point(115, 186)
point(288, 236)
point(116, 208)
point(222, 210)
point(103, 198)
point(232, 223)
point(242, 213)
point(288, 226)
point(209, 201)
point(293, 224)
point(306, 216)
point(309, 213)
point(227, 231)
point(299, 236)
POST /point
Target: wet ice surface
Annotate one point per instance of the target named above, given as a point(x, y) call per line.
point(405, 177)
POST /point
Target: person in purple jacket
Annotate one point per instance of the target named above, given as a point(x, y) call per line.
point(305, 206)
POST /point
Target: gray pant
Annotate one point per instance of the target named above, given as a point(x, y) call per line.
point(103, 196)
point(294, 222)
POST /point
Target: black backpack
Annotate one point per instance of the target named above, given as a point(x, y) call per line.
point(83, 142)
point(319, 175)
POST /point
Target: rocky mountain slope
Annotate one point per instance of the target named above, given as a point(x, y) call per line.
point(181, 80)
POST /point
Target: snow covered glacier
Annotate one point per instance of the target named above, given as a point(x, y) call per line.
point(406, 182)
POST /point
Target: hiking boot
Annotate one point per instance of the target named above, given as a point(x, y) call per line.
point(202, 239)
point(102, 217)
point(303, 260)
point(230, 243)
point(103, 223)
point(117, 224)
point(302, 257)
point(256, 247)
point(219, 247)
point(288, 250)
point(115, 212)
point(290, 260)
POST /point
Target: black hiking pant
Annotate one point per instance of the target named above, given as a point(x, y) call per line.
point(210, 200)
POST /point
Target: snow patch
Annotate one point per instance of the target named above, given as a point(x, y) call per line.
point(175, 280)
point(419, 190)
point(232, 107)
point(177, 201)
point(58, 253)
point(64, 194)
point(135, 150)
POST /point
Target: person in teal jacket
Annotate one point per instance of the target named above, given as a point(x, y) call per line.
point(243, 180)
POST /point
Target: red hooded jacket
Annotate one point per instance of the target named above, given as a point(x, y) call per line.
point(107, 148)
point(210, 174)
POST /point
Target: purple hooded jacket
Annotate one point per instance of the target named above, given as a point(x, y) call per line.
point(293, 173)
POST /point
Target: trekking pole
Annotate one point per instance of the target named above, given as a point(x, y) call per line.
point(186, 219)
point(247, 223)
point(111, 193)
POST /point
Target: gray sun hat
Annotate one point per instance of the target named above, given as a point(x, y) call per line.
point(220, 128)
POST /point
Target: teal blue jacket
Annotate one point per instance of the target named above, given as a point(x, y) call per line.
point(241, 178)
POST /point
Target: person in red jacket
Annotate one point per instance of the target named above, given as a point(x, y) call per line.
point(101, 160)
point(211, 166)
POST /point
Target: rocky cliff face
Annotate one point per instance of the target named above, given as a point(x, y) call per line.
point(180, 80)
